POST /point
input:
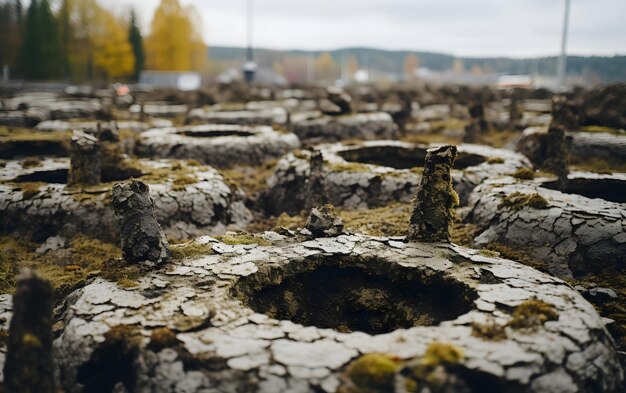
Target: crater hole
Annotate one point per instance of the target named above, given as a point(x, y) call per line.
point(402, 157)
point(613, 190)
point(355, 298)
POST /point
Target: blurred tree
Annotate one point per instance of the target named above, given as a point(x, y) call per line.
point(476, 70)
point(175, 42)
point(10, 32)
point(411, 64)
point(326, 68)
point(278, 67)
point(113, 53)
point(136, 41)
point(457, 66)
point(353, 66)
point(40, 54)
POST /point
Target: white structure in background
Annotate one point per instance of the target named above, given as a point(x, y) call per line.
point(174, 79)
point(561, 68)
point(515, 81)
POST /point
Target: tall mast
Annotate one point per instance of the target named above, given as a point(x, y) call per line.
point(563, 58)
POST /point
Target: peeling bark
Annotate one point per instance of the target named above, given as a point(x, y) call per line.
point(85, 166)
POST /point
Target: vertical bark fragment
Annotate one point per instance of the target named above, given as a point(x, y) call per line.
point(142, 239)
point(29, 366)
point(85, 163)
point(557, 159)
point(315, 193)
point(433, 210)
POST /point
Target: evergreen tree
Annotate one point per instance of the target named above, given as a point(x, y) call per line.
point(40, 51)
point(136, 41)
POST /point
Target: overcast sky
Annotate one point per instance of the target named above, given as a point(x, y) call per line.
point(518, 28)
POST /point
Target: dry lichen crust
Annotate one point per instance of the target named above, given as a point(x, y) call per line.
point(375, 173)
point(570, 233)
point(264, 116)
point(214, 339)
point(190, 201)
point(217, 145)
point(377, 125)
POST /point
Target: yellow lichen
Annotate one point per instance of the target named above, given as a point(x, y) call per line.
point(489, 253)
point(374, 372)
point(191, 249)
point(518, 201)
point(30, 162)
point(489, 331)
point(30, 340)
point(181, 181)
point(524, 174)
point(531, 314)
point(31, 189)
point(162, 338)
point(495, 160)
point(441, 353)
point(243, 238)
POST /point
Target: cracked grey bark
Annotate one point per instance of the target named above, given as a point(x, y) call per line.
point(142, 239)
point(29, 364)
point(477, 112)
point(557, 160)
point(207, 205)
point(433, 208)
point(85, 166)
point(235, 349)
point(573, 235)
point(352, 184)
point(315, 191)
point(375, 125)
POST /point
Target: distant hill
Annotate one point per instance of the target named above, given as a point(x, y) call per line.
point(602, 68)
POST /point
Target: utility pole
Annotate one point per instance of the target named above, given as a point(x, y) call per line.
point(563, 58)
point(249, 67)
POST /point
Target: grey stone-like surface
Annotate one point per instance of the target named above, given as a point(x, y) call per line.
point(218, 145)
point(207, 204)
point(232, 348)
point(377, 125)
point(352, 184)
point(246, 116)
point(589, 145)
point(158, 109)
point(134, 126)
point(572, 234)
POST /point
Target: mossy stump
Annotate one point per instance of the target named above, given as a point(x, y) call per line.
point(142, 239)
point(85, 163)
point(433, 209)
point(564, 113)
point(29, 366)
point(557, 159)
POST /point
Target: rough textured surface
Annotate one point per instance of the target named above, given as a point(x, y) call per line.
point(378, 125)
point(36, 203)
point(376, 173)
point(217, 145)
point(572, 234)
point(142, 239)
point(587, 145)
point(433, 207)
point(85, 163)
point(263, 116)
point(221, 345)
point(29, 367)
point(564, 113)
point(323, 221)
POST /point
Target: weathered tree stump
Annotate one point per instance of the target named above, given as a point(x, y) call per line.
point(315, 193)
point(85, 164)
point(557, 160)
point(433, 209)
point(340, 98)
point(564, 113)
point(29, 366)
point(323, 221)
point(142, 239)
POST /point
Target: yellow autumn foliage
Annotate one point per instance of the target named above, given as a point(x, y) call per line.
point(113, 53)
point(175, 42)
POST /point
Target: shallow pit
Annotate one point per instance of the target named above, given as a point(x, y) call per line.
point(59, 176)
point(613, 190)
point(214, 133)
point(351, 297)
point(403, 157)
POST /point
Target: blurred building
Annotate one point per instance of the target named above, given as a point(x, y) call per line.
point(173, 79)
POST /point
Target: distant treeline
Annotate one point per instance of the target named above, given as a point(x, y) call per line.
point(600, 68)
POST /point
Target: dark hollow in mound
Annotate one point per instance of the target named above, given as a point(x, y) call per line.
point(350, 298)
point(402, 157)
point(214, 133)
point(613, 190)
point(59, 176)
